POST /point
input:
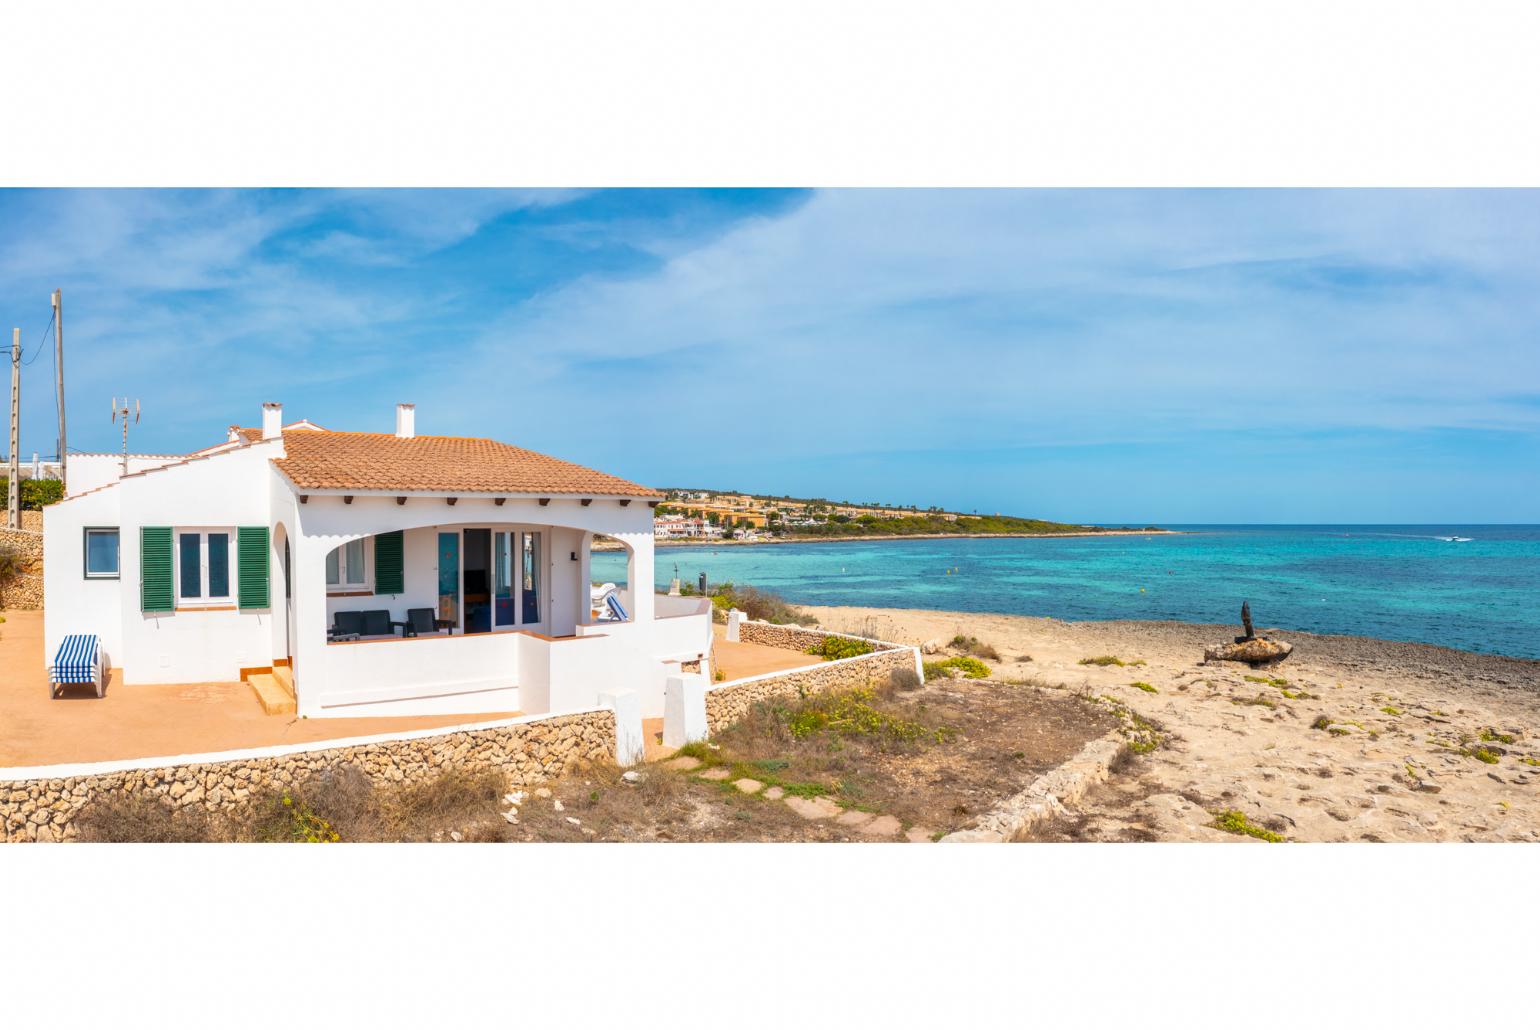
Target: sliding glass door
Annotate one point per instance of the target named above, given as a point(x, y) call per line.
point(449, 577)
point(503, 547)
point(531, 577)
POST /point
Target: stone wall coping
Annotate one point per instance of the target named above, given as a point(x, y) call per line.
point(20, 773)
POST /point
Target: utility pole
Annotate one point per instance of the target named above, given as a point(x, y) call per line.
point(13, 487)
point(58, 357)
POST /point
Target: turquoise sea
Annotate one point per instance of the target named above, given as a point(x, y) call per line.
point(1470, 587)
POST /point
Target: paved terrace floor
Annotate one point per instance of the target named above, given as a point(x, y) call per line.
point(738, 660)
point(148, 721)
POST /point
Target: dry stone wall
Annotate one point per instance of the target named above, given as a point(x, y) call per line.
point(26, 589)
point(788, 638)
point(528, 752)
point(726, 703)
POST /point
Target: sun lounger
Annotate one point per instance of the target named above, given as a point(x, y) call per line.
point(78, 660)
point(616, 608)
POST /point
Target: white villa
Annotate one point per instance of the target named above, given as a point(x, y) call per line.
point(379, 574)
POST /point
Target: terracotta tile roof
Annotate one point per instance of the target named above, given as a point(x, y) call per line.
point(326, 460)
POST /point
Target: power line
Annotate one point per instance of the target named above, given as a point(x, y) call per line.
point(39, 348)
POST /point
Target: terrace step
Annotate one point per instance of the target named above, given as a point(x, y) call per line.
point(285, 677)
point(275, 697)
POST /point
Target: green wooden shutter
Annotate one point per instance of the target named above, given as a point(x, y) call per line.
point(388, 577)
point(251, 557)
point(155, 569)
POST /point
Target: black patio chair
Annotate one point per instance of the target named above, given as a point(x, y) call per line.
point(377, 623)
point(422, 622)
point(346, 626)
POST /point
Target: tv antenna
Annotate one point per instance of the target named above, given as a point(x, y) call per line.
point(123, 411)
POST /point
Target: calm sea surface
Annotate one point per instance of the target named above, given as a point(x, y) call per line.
point(1471, 587)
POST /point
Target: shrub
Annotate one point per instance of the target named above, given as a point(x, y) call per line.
point(971, 668)
point(966, 667)
point(1141, 685)
point(1105, 660)
point(35, 493)
point(833, 648)
point(974, 646)
point(758, 604)
point(904, 679)
point(10, 563)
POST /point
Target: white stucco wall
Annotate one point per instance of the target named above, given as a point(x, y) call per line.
point(92, 471)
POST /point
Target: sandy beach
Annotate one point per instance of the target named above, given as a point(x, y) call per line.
point(1415, 742)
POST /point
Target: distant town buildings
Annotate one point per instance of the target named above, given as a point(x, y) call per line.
point(705, 514)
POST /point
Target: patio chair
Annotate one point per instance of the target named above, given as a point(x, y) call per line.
point(346, 626)
point(422, 622)
point(78, 660)
point(377, 623)
point(617, 610)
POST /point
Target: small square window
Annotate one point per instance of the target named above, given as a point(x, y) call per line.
point(101, 553)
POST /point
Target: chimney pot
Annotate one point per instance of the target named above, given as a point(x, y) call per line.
point(406, 421)
point(272, 421)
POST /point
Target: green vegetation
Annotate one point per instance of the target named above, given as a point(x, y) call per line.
point(753, 602)
point(1269, 680)
point(1321, 722)
point(1265, 702)
point(1494, 736)
point(966, 667)
point(1105, 660)
point(833, 648)
point(1141, 685)
point(1143, 736)
point(302, 825)
point(850, 713)
point(1232, 821)
point(1482, 754)
point(1391, 710)
point(35, 493)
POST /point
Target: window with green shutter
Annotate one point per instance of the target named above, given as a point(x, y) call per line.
point(251, 556)
point(155, 569)
point(388, 577)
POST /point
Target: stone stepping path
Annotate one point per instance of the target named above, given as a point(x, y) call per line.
point(868, 824)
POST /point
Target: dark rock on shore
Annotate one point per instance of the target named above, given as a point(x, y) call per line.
point(1255, 651)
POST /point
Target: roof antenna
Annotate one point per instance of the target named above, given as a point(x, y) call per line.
point(122, 413)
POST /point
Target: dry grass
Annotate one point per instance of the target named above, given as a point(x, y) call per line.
point(975, 647)
point(333, 805)
point(135, 818)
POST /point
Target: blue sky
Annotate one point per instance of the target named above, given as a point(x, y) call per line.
point(1097, 355)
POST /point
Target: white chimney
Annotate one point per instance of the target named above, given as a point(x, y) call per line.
point(406, 421)
point(272, 420)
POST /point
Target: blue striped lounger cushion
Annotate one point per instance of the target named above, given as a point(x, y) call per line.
point(75, 661)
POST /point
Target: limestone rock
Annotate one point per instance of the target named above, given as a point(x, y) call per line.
point(1255, 652)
